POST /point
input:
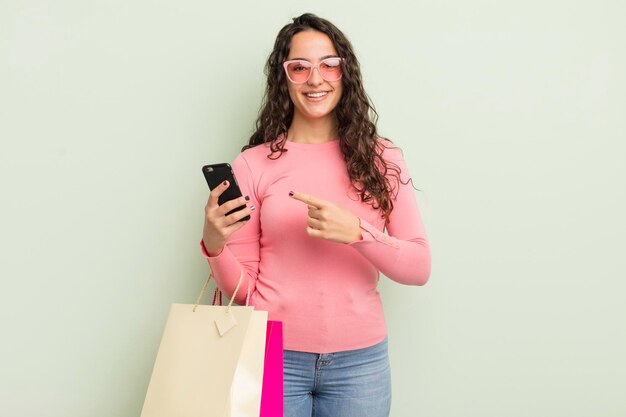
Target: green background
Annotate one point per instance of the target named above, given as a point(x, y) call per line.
point(511, 118)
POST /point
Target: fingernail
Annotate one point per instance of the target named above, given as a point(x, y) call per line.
point(225, 183)
point(247, 198)
point(290, 193)
point(252, 208)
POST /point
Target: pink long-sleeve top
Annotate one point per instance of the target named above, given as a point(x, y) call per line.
point(325, 293)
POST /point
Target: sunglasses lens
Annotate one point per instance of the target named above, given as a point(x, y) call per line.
point(298, 71)
point(330, 69)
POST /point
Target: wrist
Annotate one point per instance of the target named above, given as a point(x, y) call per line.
point(211, 251)
point(355, 234)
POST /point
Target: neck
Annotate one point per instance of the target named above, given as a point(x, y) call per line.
point(312, 131)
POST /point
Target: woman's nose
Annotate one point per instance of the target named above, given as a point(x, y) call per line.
point(316, 77)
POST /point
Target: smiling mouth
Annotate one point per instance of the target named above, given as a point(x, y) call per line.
point(316, 95)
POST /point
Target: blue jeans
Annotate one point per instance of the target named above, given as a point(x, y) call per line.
point(354, 383)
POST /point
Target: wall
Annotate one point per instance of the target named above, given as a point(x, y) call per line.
point(509, 117)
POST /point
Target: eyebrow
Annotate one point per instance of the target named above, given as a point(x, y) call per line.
point(322, 58)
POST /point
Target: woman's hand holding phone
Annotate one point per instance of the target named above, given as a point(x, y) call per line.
point(218, 223)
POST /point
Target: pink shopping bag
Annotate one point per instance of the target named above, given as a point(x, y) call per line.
point(272, 394)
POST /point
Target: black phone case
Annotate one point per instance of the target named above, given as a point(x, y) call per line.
point(215, 174)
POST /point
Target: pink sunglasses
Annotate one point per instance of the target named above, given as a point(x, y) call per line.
point(299, 71)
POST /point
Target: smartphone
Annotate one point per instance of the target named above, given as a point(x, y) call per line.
point(215, 174)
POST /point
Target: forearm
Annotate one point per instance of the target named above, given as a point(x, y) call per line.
point(406, 261)
point(227, 271)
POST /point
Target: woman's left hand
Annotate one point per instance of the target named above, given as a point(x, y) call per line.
point(329, 221)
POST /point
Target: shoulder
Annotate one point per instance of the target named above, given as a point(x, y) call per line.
point(388, 150)
point(253, 157)
point(394, 159)
point(256, 153)
point(257, 161)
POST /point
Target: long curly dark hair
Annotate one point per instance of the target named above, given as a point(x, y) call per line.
point(356, 116)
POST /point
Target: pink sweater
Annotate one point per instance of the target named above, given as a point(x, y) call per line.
point(324, 292)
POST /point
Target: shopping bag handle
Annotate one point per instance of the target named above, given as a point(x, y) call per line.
point(230, 303)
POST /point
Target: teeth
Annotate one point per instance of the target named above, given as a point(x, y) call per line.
point(316, 95)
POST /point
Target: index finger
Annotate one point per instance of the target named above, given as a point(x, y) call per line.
point(308, 199)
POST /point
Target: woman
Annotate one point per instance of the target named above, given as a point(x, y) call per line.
point(320, 186)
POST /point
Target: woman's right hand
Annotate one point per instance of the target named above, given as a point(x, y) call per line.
point(217, 225)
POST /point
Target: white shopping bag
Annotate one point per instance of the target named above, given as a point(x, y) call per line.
point(209, 364)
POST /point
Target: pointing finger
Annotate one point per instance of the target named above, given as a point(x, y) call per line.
point(308, 199)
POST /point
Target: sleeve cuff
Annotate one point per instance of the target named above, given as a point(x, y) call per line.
point(371, 233)
point(368, 231)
